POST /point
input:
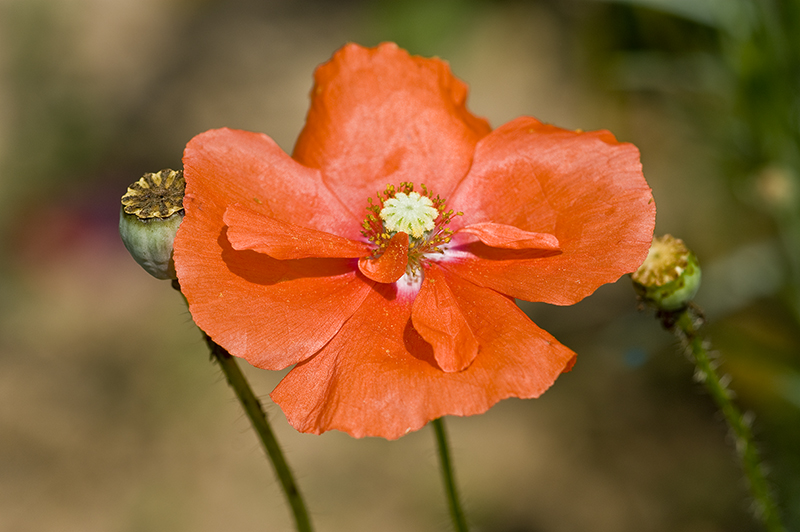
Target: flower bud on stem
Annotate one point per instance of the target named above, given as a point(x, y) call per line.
point(668, 280)
point(152, 210)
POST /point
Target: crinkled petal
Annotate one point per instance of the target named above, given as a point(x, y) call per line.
point(438, 318)
point(248, 229)
point(273, 313)
point(250, 169)
point(387, 117)
point(392, 263)
point(510, 237)
point(586, 189)
point(378, 377)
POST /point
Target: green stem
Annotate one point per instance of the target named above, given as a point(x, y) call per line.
point(685, 325)
point(456, 513)
point(252, 406)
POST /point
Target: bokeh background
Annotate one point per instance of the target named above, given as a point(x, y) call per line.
point(112, 417)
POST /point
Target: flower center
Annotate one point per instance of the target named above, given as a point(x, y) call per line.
point(411, 213)
point(418, 214)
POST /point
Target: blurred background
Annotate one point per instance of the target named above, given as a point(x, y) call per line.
point(112, 418)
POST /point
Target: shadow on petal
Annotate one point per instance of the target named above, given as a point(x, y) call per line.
point(262, 269)
point(416, 345)
point(482, 251)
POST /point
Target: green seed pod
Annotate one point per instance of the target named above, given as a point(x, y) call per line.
point(670, 275)
point(152, 210)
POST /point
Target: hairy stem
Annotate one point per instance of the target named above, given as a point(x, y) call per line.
point(456, 513)
point(252, 406)
point(685, 325)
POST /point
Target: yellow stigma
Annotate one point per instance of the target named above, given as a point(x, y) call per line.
point(410, 213)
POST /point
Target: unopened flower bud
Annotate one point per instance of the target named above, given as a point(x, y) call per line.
point(152, 210)
point(670, 275)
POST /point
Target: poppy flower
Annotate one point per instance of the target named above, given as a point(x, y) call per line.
point(382, 258)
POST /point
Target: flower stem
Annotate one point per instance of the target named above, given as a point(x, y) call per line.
point(252, 406)
point(685, 324)
point(456, 513)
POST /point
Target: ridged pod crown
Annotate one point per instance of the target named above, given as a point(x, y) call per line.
point(152, 210)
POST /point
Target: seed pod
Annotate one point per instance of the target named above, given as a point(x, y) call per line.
point(670, 275)
point(152, 210)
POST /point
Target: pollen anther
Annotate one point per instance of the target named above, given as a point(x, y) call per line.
point(421, 216)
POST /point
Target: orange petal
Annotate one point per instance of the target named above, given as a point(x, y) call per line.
point(439, 320)
point(380, 116)
point(378, 377)
point(252, 170)
point(250, 230)
point(391, 265)
point(273, 313)
point(586, 189)
point(510, 237)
